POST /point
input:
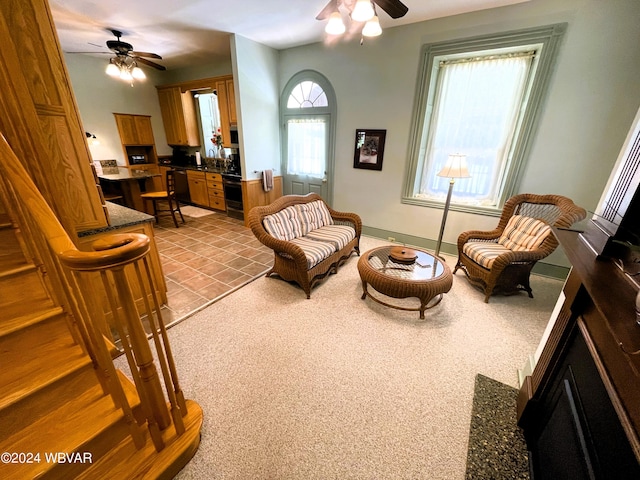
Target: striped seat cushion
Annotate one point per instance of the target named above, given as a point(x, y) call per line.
point(338, 235)
point(315, 251)
point(484, 253)
point(524, 233)
point(313, 215)
point(284, 225)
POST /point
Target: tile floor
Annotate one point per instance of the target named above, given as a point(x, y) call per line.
point(205, 259)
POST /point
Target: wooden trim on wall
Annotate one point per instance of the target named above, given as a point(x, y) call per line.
point(253, 194)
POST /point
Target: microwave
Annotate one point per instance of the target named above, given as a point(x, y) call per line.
point(137, 159)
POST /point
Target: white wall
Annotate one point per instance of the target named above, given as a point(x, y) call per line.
point(594, 93)
point(256, 84)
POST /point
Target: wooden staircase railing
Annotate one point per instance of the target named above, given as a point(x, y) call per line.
point(70, 275)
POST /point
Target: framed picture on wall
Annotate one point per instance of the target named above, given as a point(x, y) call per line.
point(369, 149)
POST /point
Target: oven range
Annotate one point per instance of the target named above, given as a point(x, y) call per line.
point(232, 185)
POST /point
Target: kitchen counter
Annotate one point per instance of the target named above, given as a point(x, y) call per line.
point(202, 168)
point(131, 183)
point(120, 217)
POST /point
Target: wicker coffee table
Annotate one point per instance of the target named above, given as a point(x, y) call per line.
point(427, 278)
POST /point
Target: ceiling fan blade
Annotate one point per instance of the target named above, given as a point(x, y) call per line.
point(97, 53)
point(150, 63)
point(331, 7)
point(146, 54)
point(395, 8)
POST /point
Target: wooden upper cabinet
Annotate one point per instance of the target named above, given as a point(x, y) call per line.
point(231, 101)
point(136, 136)
point(227, 106)
point(179, 117)
point(179, 109)
point(134, 129)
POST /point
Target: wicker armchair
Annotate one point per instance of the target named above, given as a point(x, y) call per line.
point(290, 261)
point(507, 270)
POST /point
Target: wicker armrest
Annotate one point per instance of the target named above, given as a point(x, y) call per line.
point(482, 235)
point(344, 217)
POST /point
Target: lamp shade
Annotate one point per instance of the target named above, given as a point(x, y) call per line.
point(372, 28)
point(137, 73)
point(456, 167)
point(335, 26)
point(112, 69)
point(363, 11)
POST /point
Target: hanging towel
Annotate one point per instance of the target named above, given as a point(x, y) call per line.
point(267, 180)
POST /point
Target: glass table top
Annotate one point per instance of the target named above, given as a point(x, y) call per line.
point(425, 267)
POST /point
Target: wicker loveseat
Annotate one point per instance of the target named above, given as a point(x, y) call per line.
point(309, 239)
point(500, 260)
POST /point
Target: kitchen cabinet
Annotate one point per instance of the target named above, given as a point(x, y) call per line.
point(179, 113)
point(227, 113)
point(179, 116)
point(138, 144)
point(231, 101)
point(215, 191)
point(134, 129)
point(198, 188)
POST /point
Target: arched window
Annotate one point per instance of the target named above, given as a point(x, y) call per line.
point(308, 110)
point(307, 94)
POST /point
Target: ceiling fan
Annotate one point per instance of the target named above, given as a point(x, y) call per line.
point(126, 59)
point(360, 12)
point(124, 49)
point(394, 8)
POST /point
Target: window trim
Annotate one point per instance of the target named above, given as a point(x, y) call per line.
point(549, 37)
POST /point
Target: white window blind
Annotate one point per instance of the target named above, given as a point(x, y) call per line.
point(475, 112)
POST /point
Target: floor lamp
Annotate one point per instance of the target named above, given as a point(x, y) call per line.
point(456, 167)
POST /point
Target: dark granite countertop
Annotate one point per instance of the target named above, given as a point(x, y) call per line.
point(121, 174)
point(120, 217)
point(201, 168)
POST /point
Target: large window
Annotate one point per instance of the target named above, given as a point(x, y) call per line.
point(478, 97)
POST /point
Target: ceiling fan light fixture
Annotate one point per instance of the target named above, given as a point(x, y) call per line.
point(126, 75)
point(372, 27)
point(363, 11)
point(137, 73)
point(112, 69)
point(335, 26)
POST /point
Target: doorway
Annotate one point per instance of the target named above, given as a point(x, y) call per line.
point(308, 113)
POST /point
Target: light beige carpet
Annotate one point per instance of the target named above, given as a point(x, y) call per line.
point(339, 388)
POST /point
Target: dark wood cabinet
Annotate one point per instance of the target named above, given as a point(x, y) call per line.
point(578, 433)
point(580, 409)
